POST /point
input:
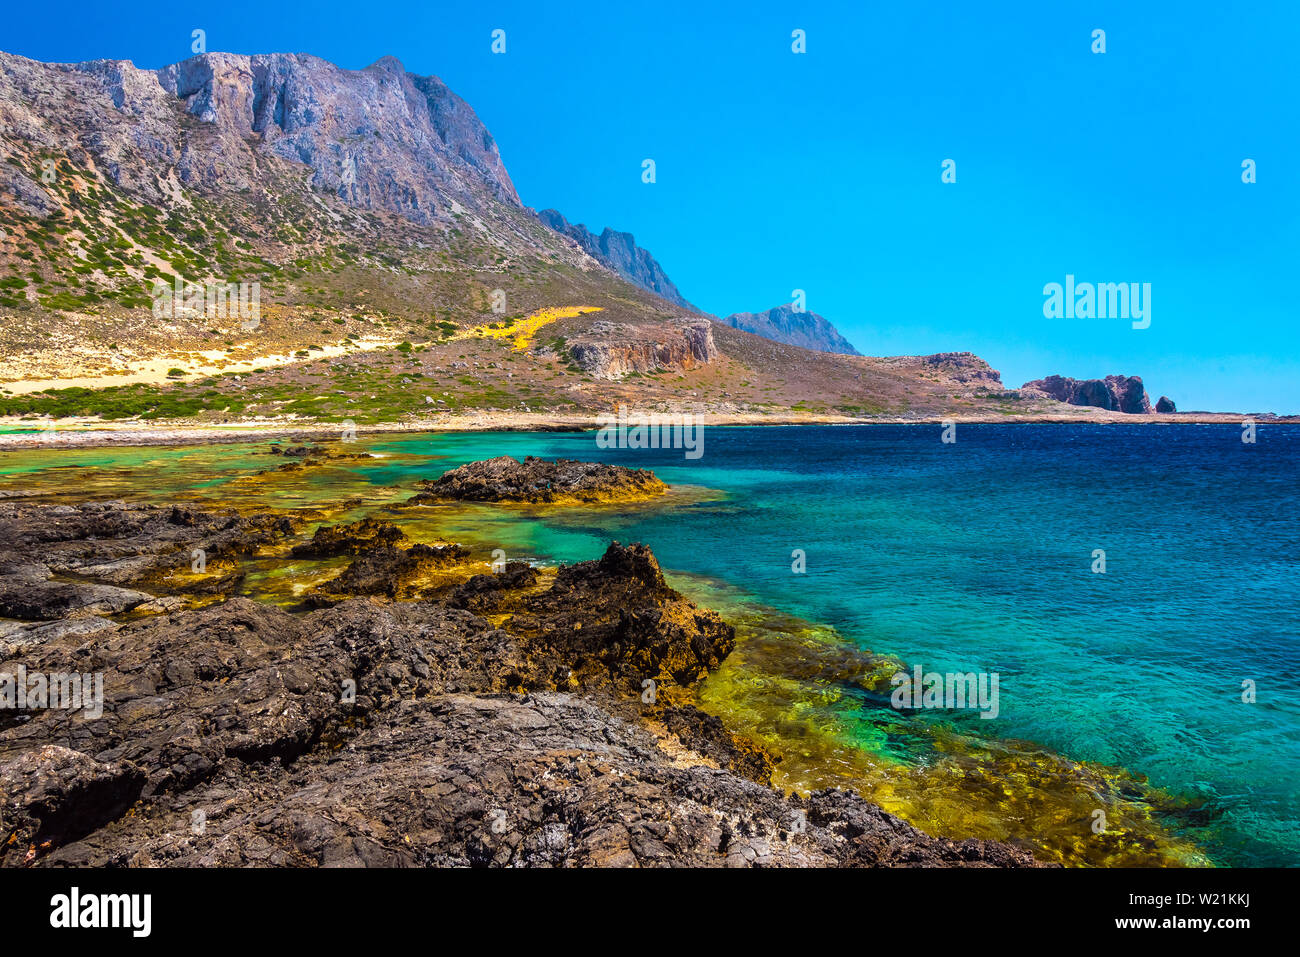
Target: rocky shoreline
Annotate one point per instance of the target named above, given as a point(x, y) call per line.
point(79, 434)
point(420, 708)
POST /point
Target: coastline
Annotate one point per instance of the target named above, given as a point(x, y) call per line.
point(761, 655)
point(90, 433)
point(692, 727)
point(532, 670)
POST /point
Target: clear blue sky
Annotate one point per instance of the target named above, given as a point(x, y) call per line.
point(821, 171)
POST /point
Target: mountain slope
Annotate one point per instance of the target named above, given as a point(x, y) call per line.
point(784, 324)
point(400, 276)
point(378, 138)
point(620, 253)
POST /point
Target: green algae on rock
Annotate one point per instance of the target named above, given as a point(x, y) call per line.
point(536, 481)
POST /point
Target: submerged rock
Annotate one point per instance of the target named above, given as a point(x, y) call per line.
point(534, 480)
point(307, 456)
point(329, 541)
point(385, 570)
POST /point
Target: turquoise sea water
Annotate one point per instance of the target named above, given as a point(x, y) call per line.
point(974, 556)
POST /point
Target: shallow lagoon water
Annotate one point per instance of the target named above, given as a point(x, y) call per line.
point(1119, 692)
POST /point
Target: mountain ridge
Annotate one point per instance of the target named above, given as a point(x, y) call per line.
point(796, 327)
point(619, 251)
point(401, 278)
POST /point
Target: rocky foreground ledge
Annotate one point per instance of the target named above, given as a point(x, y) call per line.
point(500, 719)
point(536, 481)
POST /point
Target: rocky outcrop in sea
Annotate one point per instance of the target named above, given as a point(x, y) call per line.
point(537, 481)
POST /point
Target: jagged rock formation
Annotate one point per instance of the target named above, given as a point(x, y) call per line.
point(785, 324)
point(620, 253)
point(367, 534)
point(1165, 405)
point(1116, 393)
point(615, 620)
point(534, 480)
point(53, 583)
point(378, 138)
point(409, 733)
point(609, 350)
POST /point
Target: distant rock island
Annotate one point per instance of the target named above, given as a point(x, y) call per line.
point(785, 324)
point(1116, 393)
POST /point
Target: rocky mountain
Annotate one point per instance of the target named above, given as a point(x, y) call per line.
point(373, 212)
point(1116, 393)
point(378, 138)
point(963, 369)
point(620, 253)
point(785, 324)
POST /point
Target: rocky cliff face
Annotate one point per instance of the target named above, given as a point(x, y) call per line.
point(619, 252)
point(784, 324)
point(610, 350)
point(1116, 393)
point(378, 138)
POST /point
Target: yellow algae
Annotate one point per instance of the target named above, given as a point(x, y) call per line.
point(592, 497)
point(522, 332)
point(801, 692)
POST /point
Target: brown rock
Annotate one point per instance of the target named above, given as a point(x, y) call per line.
point(534, 480)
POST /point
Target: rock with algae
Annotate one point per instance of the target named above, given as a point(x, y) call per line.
point(536, 481)
point(413, 733)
